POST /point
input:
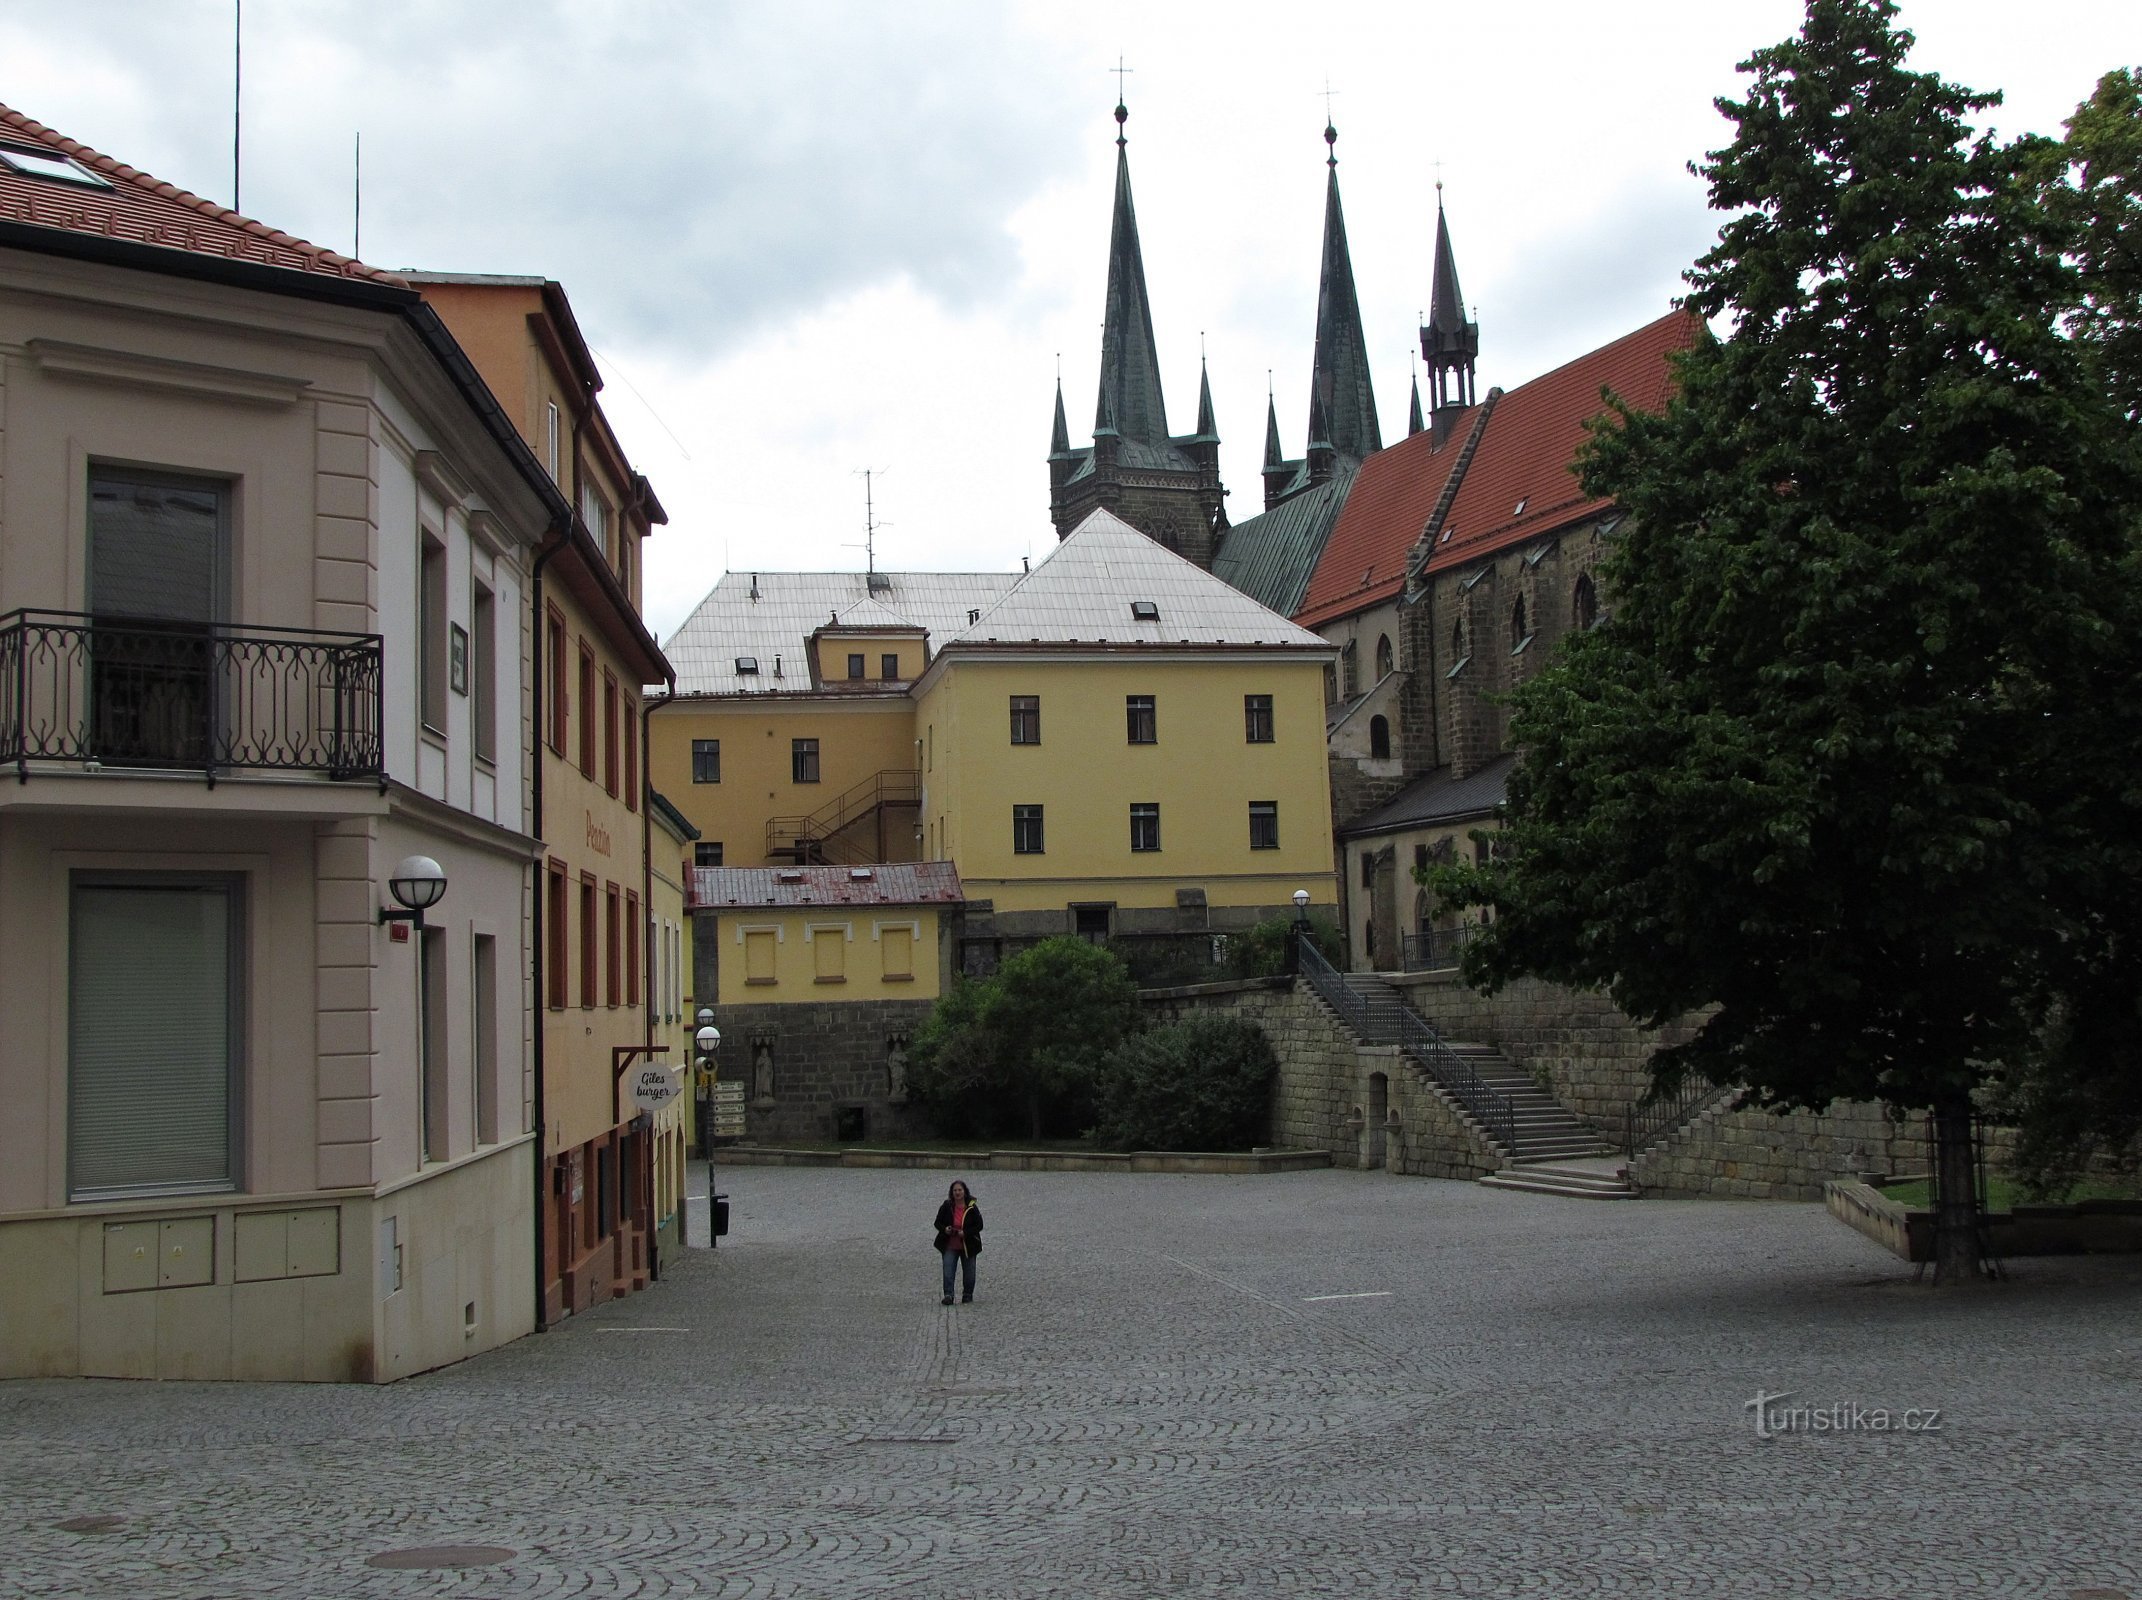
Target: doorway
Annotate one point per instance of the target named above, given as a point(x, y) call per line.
point(1379, 1112)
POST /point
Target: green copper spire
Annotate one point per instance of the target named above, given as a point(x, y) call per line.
point(1130, 403)
point(1414, 424)
point(1207, 429)
point(1343, 390)
point(1274, 457)
point(1060, 435)
point(1449, 344)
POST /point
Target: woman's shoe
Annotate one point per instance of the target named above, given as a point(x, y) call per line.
point(948, 1300)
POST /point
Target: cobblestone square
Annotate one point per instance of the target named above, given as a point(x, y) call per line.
point(1324, 1383)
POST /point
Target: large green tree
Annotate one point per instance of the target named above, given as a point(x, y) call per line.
point(1852, 761)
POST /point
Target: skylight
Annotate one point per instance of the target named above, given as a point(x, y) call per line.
point(746, 665)
point(48, 164)
point(1145, 610)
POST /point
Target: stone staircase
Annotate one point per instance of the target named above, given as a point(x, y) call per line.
point(1545, 1130)
point(1600, 1178)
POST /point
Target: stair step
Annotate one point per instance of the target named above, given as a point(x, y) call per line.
point(1576, 1183)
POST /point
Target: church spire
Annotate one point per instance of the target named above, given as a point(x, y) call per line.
point(1414, 424)
point(1207, 428)
point(1449, 344)
point(1342, 388)
point(1130, 403)
point(1060, 435)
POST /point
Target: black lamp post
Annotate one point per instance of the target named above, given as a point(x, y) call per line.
point(1301, 930)
point(705, 1041)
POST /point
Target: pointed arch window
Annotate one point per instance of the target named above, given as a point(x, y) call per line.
point(1379, 738)
point(1458, 656)
point(1383, 656)
point(1520, 628)
point(1584, 604)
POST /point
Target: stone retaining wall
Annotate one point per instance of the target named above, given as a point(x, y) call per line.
point(819, 1059)
point(1791, 1155)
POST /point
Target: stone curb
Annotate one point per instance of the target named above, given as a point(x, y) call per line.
point(1241, 1163)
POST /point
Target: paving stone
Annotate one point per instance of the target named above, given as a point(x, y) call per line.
point(1153, 1395)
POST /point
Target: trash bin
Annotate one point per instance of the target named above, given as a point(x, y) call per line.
point(721, 1216)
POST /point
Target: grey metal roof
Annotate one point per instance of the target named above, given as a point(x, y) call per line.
point(1438, 797)
point(1270, 557)
point(791, 606)
point(1083, 593)
point(911, 883)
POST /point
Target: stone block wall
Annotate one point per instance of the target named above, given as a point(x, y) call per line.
point(818, 1058)
point(1790, 1155)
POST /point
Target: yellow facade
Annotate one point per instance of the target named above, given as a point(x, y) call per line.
point(796, 954)
point(855, 741)
point(1201, 771)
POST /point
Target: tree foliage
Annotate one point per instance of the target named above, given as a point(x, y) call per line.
point(1204, 1083)
point(1018, 1052)
point(1853, 760)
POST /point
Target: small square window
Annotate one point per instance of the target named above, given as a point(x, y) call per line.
point(1257, 718)
point(888, 666)
point(1026, 830)
point(706, 761)
point(1026, 719)
point(1145, 827)
point(707, 853)
point(1264, 824)
point(855, 665)
point(747, 666)
point(1140, 716)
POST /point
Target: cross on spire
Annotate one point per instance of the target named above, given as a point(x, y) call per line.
point(1122, 111)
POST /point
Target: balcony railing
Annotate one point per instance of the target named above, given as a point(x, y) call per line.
point(1435, 949)
point(208, 697)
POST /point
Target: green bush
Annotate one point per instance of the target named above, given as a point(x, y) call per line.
point(1201, 1084)
point(1017, 1053)
point(1261, 951)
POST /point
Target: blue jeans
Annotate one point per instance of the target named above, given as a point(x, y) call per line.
point(963, 1264)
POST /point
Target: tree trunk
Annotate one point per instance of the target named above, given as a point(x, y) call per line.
point(1956, 1215)
point(1033, 1117)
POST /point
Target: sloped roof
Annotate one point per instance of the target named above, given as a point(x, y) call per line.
point(791, 606)
point(138, 208)
point(1437, 797)
point(1522, 481)
point(912, 883)
point(1363, 562)
point(1083, 593)
point(1270, 557)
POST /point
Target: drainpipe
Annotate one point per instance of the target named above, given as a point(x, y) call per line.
point(553, 541)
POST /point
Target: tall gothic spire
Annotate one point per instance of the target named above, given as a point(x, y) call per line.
point(1060, 435)
point(1207, 427)
point(1449, 344)
point(1130, 402)
point(1341, 386)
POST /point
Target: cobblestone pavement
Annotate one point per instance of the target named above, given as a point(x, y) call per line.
point(1324, 1383)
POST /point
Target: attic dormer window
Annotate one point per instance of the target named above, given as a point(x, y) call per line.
point(48, 164)
point(1145, 611)
point(747, 666)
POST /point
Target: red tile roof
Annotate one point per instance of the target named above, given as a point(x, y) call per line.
point(1522, 481)
point(143, 210)
point(912, 883)
point(1364, 560)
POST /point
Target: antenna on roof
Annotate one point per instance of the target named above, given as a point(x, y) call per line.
point(357, 199)
point(237, 90)
point(871, 524)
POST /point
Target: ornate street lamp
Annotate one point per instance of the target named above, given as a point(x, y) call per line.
point(417, 884)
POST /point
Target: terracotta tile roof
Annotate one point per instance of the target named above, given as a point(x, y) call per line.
point(1364, 560)
point(1521, 483)
point(143, 210)
point(911, 883)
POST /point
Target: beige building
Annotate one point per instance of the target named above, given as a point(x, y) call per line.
point(265, 556)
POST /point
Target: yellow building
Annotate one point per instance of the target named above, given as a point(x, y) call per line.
point(599, 1161)
point(1115, 744)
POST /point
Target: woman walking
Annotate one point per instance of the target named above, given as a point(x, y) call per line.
point(959, 1238)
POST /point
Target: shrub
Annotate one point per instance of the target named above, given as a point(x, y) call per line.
point(1201, 1084)
point(1261, 951)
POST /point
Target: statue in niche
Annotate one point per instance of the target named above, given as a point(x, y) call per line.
point(896, 1068)
point(762, 1080)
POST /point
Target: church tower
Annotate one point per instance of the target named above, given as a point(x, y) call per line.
point(1449, 344)
point(1166, 487)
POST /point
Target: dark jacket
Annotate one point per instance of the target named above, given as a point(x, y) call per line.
point(972, 1230)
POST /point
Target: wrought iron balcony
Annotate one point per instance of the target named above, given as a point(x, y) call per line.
point(208, 697)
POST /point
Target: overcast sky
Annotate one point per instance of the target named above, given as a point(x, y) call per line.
point(810, 240)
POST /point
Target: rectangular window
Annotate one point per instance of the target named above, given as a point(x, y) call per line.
point(803, 761)
point(431, 1040)
point(897, 947)
point(829, 955)
point(707, 853)
point(609, 731)
point(556, 680)
point(631, 733)
point(431, 632)
point(1138, 712)
point(1026, 830)
point(483, 672)
point(888, 667)
point(1145, 827)
point(555, 956)
point(550, 438)
point(633, 934)
point(758, 955)
point(595, 512)
point(706, 761)
point(588, 942)
point(1264, 825)
point(587, 711)
point(155, 1007)
point(1026, 719)
point(483, 987)
point(613, 954)
point(1368, 872)
point(1257, 718)
point(855, 665)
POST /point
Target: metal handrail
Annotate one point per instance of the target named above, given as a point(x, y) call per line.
point(892, 786)
point(1652, 1118)
point(1392, 1021)
point(1435, 949)
point(211, 697)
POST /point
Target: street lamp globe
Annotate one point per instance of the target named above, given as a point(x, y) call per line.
point(708, 1038)
point(418, 883)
